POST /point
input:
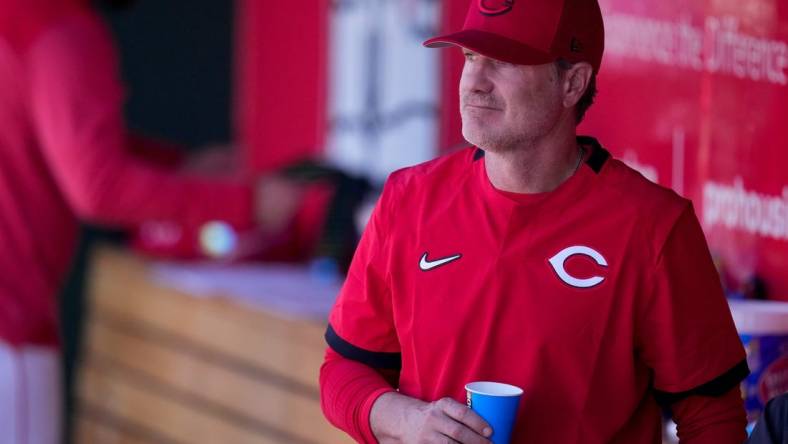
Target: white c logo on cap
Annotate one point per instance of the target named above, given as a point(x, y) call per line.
point(558, 261)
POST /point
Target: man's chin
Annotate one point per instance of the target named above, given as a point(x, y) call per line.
point(482, 139)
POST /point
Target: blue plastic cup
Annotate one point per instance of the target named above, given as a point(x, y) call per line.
point(497, 404)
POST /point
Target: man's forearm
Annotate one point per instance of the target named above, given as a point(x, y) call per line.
point(348, 390)
point(709, 420)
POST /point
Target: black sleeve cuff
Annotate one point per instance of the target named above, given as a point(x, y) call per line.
point(384, 360)
point(714, 388)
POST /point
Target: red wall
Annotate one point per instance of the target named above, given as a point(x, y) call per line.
point(281, 56)
point(695, 92)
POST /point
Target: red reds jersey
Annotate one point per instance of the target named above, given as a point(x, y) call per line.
point(597, 298)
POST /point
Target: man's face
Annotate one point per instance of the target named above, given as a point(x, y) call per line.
point(504, 106)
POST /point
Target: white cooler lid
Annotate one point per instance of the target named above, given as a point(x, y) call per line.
point(760, 317)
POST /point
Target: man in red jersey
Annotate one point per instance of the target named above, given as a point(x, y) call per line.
point(534, 259)
point(64, 157)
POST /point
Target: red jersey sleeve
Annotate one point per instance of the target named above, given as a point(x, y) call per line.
point(685, 331)
point(77, 108)
point(707, 420)
point(348, 390)
point(361, 324)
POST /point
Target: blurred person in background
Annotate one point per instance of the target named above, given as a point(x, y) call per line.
point(533, 259)
point(64, 157)
point(772, 425)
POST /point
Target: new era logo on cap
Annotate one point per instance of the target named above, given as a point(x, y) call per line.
point(495, 7)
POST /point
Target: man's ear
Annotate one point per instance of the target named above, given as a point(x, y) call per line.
point(576, 81)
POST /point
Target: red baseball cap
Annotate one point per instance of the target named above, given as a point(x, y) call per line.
point(531, 32)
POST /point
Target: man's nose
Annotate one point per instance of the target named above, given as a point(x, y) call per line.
point(476, 78)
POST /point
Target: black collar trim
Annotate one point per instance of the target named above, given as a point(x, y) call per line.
point(596, 160)
point(478, 154)
point(598, 155)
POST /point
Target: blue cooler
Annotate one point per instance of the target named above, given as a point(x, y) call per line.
point(763, 328)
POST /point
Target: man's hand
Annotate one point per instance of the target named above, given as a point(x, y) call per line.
point(397, 418)
point(214, 160)
point(277, 201)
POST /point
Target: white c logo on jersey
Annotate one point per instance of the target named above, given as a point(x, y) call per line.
point(558, 261)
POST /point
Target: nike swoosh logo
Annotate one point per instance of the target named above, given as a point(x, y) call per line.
point(426, 265)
